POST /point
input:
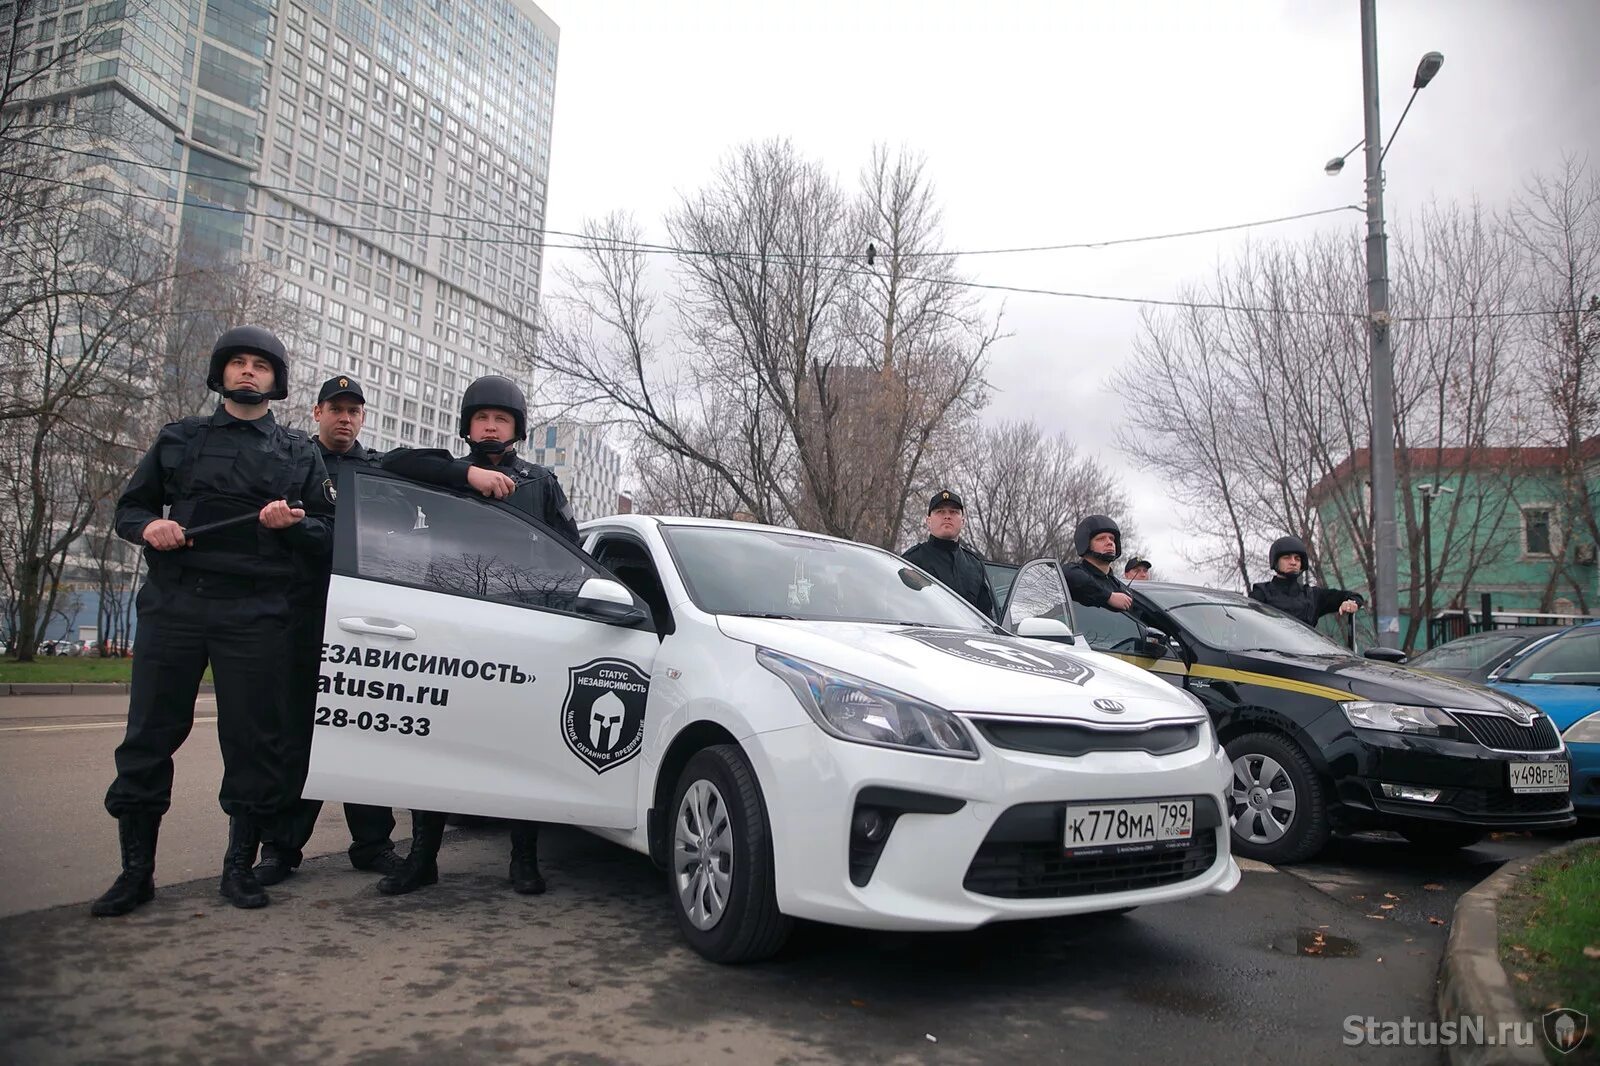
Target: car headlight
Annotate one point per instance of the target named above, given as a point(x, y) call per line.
point(1584, 730)
point(855, 709)
point(1399, 718)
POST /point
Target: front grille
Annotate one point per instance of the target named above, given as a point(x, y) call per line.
point(1502, 801)
point(1065, 738)
point(1022, 858)
point(1503, 734)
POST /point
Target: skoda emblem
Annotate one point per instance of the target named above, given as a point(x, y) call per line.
point(1110, 706)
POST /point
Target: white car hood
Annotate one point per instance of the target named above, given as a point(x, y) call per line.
point(974, 672)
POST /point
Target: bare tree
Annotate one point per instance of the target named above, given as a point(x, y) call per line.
point(1557, 227)
point(1025, 492)
point(803, 383)
point(1254, 399)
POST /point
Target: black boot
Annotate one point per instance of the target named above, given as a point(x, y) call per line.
point(421, 867)
point(239, 882)
point(277, 863)
point(136, 833)
point(525, 878)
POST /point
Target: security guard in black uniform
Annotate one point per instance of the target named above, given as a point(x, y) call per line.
point(217, 598)
point(1098, 542)
point(494, 417)
point(340, 412)
point(1289, 592)
point(947, 559)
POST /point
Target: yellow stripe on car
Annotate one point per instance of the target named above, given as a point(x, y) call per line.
point(1238, 677)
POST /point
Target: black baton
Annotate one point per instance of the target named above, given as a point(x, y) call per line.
point(229, 523)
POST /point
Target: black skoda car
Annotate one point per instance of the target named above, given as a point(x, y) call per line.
point(1322, 740)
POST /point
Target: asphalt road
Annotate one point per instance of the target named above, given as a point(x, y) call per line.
point(595, 972)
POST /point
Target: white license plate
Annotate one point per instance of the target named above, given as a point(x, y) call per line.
point(1540, 777)
point(1115, 828)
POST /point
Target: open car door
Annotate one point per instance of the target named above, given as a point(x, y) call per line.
point(1039, 591)
point(476, 662)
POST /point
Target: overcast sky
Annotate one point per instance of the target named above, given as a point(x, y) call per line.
point(1059, 121)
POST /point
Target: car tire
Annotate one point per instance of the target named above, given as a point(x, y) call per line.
point(720, 875)
point(1278, 808)
point(1436, 838)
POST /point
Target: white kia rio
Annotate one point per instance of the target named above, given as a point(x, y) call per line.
point(792, 725)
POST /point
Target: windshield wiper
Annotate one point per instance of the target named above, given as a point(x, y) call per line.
point(765, 614)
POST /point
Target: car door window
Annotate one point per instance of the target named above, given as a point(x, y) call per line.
point(410, 534)
point(1108, 630)
point(1037, 592)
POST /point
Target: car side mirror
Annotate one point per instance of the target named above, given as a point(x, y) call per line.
point(609, 601)
point(1045, 629)
point(1385, 655)
point(1156, 642)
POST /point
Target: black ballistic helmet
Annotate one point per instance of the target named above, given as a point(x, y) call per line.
point(256, 340)
point(1091, 527)
point(493, 390)
point(1288, 546)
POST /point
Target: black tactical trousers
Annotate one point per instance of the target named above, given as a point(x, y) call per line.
point(188, 619)
point(370, 827)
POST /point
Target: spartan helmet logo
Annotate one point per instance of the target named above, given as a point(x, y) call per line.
point(602, 719)
point(344, 383)
point(1565, 1029)
point(605, 722)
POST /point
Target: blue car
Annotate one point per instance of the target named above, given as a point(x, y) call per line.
point(1562, 678)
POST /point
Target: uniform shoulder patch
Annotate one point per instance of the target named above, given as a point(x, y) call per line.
point(329, 493)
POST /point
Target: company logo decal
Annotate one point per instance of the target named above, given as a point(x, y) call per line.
point(602, 720)
point(1006, 653)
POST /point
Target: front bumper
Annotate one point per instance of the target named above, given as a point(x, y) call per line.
point(1586, 778)
point(1473, 783)
point(930, 865)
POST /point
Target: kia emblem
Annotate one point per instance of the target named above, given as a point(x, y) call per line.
point(1110, 706)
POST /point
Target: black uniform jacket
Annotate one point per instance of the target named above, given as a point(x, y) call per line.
point(957, 566)
point(1292, 596)
point(538, 490)
point(1089, 586)
point(206, 468)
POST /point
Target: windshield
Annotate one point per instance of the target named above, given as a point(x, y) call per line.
point(1570, 659)
point(1468, 653)
point(790, 575)
point(1245, 625)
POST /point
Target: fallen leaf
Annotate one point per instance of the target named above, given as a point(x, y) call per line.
point(858, 1003)
point(1431, 887)
point(1411, 940)
point(1592, 951)
point(1524, 977)
point(1324, 927)
point(1386, 906)
point(931, 1038)
point(1380, 917)
point(1519, 949)
point(1390, 895)
point(1435, 921)
point(1380, 958)
point(1358, 897)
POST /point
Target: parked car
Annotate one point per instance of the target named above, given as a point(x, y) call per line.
point(1476, 656)
point(1561, 677)
point(1321, 740)
point(792, 725)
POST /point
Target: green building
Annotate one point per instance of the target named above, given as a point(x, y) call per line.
point(1513, 526)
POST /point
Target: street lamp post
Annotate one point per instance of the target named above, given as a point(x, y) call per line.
point(1386, 547)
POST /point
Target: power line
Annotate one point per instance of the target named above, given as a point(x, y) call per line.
point(646, 249)
point(679, 250)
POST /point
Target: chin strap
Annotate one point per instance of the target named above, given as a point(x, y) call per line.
point(248, 397)
point(1105, 557)
point(490, 449)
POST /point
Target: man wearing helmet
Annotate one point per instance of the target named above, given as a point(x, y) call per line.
point(216, 599)
point(1098, 542)
point(494, 419)
point(1288, 591)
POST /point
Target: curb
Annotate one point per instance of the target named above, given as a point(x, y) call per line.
point(82, 688)
point(1472, 983)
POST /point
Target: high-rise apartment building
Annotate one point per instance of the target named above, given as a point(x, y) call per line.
point(386, 158)
point(590, 469)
